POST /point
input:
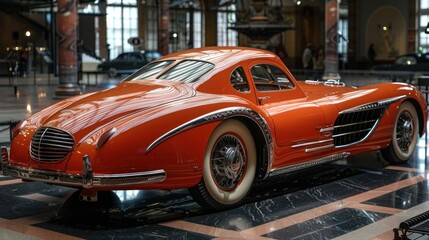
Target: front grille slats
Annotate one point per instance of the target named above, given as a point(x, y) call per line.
point(53, 139)
point(50, 144)
point(54, 146)
point(356, 125)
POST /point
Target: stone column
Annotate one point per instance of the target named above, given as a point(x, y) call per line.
point(67, 21)
point(331, 40)
point(164, 22)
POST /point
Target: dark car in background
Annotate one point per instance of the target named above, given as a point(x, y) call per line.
point(405, 68)
point(127, 62)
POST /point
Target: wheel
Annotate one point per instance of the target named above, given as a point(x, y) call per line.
point(405, 135)
point(229, 167)
point(112, 72)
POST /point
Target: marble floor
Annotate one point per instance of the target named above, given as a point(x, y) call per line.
point(357, 198)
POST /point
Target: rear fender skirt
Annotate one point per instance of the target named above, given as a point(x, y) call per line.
point(223, 114)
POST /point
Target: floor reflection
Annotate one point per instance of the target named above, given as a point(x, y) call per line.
point(117, 209)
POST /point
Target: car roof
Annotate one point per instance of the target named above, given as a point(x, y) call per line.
point(421, 57)
point(220, 55)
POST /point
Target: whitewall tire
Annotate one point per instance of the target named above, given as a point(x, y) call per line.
point(405, 135)
point(229, 167)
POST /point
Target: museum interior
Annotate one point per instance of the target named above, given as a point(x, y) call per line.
point(55, 50)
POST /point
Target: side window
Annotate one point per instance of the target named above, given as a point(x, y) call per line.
point(135, 57)
point(270, 78)
point(281, 78)
point(121, 56)
point(150, 56)
point(238, 80)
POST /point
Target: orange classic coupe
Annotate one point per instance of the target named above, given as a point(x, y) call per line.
point(213, 120)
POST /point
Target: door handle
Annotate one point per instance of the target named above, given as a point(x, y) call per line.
point(260, 99)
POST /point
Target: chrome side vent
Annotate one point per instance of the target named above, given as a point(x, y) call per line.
point(50, 144)
point(355, 126)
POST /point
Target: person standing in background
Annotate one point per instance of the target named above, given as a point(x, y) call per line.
point(371, 54)
point(307, 57)
point(307, 60)
point(319, 63)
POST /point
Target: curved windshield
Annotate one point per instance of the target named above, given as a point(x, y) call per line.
point(149, 70)
point(187, 71)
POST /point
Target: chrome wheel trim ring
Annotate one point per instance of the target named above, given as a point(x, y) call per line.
point(228, 162)
point(405, 131)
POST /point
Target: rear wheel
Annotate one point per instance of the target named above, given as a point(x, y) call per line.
point(405, 135)
point(229, 167)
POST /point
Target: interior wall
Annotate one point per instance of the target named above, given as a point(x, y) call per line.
point(388, 34)
point(373, 16)
point(13, 33)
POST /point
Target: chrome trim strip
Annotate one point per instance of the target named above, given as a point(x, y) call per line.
point(358, 131)
point(311, 143)
point(312, 163)
point(373, 105)
point(319, 148)
point(221, 115)
point(355, 123)
point(328, 129)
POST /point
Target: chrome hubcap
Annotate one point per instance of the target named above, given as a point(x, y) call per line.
point(404, 131)
point(228, 162)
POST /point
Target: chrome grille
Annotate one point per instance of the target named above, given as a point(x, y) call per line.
point(354, 126)
point(50, 144)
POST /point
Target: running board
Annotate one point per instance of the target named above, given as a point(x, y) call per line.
point(308, 164)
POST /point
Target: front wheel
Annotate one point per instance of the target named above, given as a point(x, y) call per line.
point(405, 135)
point(229, 167)
point(112, 72)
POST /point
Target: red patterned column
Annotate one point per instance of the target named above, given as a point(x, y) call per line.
point(164, 22)
point(331, 42)
point(67, 21)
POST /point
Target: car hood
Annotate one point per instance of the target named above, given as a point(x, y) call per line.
point(96, 110)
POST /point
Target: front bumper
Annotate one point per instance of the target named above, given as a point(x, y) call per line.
point(86, 180)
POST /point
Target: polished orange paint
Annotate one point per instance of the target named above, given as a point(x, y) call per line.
point(143, 111)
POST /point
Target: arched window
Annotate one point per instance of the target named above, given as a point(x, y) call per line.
point(423, 19)
point(122, 24)
point(225, 19)
point(185, 25)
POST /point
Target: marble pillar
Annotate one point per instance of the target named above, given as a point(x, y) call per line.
point(67, 21)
